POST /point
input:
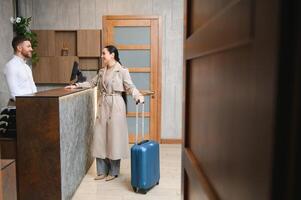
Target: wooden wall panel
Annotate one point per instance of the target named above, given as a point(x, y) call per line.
point(65, 64)
point(200, 12)
point(88, 43)
point(85, 44)
point(219, 89)
point(229, 28)
point(46, 45)
point(231, 64)
point(54, 69)
point(42, 70)
point(65, 39)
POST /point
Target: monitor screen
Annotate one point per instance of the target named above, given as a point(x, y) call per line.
point(76, 74)
point(75, 71)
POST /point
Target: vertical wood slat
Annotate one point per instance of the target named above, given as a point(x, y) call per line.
point(154, 100)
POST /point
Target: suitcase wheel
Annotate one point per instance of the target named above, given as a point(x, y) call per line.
point(157, 183)
point(142, 191)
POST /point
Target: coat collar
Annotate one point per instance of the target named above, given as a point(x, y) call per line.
point(116, 68)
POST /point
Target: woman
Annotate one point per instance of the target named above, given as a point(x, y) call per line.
point(110, 142)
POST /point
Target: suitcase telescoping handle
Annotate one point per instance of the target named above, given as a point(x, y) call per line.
point(137, 127)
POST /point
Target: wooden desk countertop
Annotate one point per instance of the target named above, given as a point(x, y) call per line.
point(59, 92)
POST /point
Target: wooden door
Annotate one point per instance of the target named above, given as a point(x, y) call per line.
point(231, 62)
point(138, 41)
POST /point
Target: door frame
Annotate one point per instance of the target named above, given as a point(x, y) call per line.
point(155, 21)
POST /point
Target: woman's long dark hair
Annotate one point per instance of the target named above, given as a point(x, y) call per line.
point(112, 49)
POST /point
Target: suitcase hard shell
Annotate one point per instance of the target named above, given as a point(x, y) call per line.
point(145, 163)
point(145, 167)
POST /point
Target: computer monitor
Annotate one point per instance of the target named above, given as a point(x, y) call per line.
point(76, 74)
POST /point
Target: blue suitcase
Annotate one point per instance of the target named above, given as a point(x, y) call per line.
point(145, 162)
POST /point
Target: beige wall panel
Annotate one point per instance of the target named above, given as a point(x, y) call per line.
point(25, 7)
point(130, 7)
point(68, 14)
point(172, 110)
point(6, 51)
point(177, 16)
point(101, 9)
point(87, 12)
point(172, 70)
point(44, 14)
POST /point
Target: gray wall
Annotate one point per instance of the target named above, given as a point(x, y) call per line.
point(6, 51)
point(86, 14)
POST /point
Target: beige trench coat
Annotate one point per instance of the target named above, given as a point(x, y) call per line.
point(110, 131)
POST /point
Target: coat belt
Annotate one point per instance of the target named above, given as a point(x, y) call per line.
point(103, 94)
point(112, 94)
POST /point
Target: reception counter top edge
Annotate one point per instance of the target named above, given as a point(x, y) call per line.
point(54, 93)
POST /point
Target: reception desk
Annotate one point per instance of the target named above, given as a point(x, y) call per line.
point(55, 130)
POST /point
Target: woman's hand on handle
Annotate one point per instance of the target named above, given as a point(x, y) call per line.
point(140, 99)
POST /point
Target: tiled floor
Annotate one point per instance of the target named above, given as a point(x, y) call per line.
point(121, 189)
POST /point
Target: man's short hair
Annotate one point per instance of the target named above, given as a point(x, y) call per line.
point(18, 40)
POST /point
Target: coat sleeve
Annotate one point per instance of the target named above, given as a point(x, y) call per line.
point(129, 86)
point(89, 84)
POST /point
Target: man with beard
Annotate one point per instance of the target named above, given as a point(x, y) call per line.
point(17, 73)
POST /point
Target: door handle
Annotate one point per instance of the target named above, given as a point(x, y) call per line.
point(148, 93)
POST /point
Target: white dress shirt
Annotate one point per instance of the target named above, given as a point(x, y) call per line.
point(19, 77)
